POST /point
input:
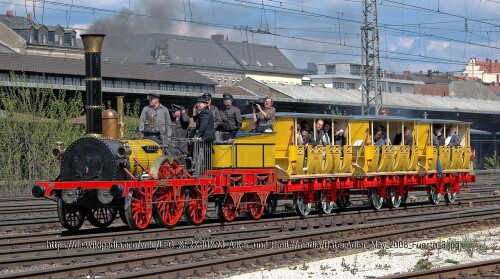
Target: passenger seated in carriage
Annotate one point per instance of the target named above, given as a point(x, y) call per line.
point(380, 137)
point(452, 139)
point(399, 137)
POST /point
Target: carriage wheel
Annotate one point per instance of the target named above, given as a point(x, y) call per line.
point(101, 217)
point(226, 210)
point(166, 211)
point(449, 197)
point(255, 207)
point(302, 208)
point(393, 201)
point(323, 206)
point(271, 205)
point(71, 217)
point(434, 196)
point(375, 200)
point(342, 201)
point(404, 198)
point(137, 212)
point(195, 209)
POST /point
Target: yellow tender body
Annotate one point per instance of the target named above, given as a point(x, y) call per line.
point(359, 157)
point(247, 151)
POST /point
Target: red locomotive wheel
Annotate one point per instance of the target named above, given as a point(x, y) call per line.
point(195, 208)
point(168, 212)
point(226, 210)
point(71, 217)
point(255, 206)
point(137, 213)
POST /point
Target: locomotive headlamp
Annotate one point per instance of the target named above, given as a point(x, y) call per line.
point(104, 196)
point(58, 151)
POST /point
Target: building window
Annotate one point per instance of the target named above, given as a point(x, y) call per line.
point(331, 69)
point(351, 86)
point(163, 87)
point(338, 85)
point(398, 89)
point(390, 88)
point(355, 70)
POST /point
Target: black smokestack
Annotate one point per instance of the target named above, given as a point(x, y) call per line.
point(93, 79)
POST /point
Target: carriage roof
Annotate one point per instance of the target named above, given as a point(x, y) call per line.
point(361, 117)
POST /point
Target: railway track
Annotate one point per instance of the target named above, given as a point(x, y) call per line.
point(34, 246)
point(216, 251)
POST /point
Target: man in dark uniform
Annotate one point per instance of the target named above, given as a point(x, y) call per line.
point(231, 116)
point(205, 128)
point(154, 122)
point(180, 124)
point(215, 113)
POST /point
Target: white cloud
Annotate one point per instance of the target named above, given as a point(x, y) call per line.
point(438, 46)
point(392, 47)
point(405, 43)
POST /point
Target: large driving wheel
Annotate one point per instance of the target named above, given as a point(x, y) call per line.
point(226, 209)
point(255, 206)
point(449, 197)
point(301, 207)
point(137, 212)
point(101, 217)
point(375, 200)
point(166, 211)
point(434, 196)
point(195, 209)
point(323, 206)
point(71, 217)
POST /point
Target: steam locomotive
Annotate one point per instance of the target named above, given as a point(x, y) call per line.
point(102, 175)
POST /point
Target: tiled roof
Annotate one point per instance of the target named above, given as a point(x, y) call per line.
point(196, 52)
point(68, 66)
point(488, 67)
point(234, 90)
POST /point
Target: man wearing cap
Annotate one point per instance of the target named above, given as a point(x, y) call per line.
point(214, 109)
point(180, 124)
point(205, 128)
point(154, 122)
point(231, 116)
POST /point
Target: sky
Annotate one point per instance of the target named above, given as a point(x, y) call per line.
point(440, 35)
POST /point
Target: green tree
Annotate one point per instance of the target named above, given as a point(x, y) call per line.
point(492, 162)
